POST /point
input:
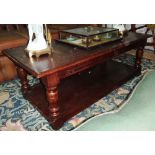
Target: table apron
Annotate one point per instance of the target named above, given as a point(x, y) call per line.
point(100, 59)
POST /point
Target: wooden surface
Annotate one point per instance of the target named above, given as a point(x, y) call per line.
point(149, 28)
point(11, 39)
point(66, 56)
point(81, 90)
point(74, 78)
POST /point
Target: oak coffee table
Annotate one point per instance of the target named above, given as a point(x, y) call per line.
point(73, 78)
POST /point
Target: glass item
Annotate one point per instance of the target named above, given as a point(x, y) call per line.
point(89, 36)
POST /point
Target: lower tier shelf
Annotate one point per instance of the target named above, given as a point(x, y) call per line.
point(81, 90)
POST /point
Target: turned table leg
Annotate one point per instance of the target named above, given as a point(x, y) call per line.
point(51, 83)
point(23, 78)
point(139, 55)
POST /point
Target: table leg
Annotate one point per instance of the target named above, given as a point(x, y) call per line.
point(139, 55)
point(51, 83)
point(23, 78)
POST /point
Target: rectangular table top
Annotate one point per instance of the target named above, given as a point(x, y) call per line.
point(10, 39)
point(66, 56)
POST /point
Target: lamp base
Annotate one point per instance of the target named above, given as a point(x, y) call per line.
point(38, 53)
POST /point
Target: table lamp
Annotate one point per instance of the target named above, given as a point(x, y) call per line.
point(121, 28)
point(37, 44)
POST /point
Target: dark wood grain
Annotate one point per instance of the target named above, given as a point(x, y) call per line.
point(65, 56)
point(79, 91)
point(22, 74)
point(74, 78)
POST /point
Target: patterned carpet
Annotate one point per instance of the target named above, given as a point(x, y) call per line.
point(18, 114)
point(148, 54)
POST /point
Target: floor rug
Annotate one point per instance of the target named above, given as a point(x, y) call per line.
point(148, 54)
point(17, 114)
